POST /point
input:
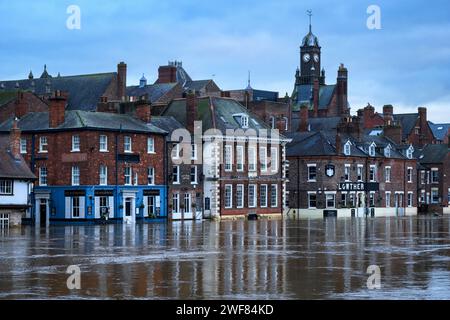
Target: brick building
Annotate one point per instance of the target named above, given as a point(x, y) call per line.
point(244, 167)
point(433, 183)
point(91, 164)
point(16, 180)
point(337, 168)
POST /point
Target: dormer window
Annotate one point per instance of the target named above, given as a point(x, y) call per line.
point(241, 119)
point(409, 152)
point(372, 150)
point(387, 151)
point(244, 121)
point(347, 148)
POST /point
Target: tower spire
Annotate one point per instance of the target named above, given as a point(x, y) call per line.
point(309, 13)
point(249, 87)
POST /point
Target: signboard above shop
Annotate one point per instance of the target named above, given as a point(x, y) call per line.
point(358, 186)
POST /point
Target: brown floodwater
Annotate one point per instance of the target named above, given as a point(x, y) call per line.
point(275, 259)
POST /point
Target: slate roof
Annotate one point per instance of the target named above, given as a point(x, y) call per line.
point(168, 124)
point(318, 124)
point(84, 90)
point(153, 91)
point(440, 130)
point(77, 119)
point(7, 96)
point(303, 95)
point(196, 85)
point(433, 153)
point(408, 121)
point(323, 143)
point(217, 113)
point(11, 167)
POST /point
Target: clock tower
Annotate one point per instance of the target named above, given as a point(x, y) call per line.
point(310, 59)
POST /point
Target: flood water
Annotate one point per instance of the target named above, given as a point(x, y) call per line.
point(293, 259)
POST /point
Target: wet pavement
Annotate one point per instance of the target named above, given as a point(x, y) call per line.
point(293, 259)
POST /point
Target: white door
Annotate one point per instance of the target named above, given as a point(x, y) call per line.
point(129, 214)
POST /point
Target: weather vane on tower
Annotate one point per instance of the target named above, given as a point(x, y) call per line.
point(309, 13)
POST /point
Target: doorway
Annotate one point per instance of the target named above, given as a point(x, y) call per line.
point(128, 207)
point(43, 213)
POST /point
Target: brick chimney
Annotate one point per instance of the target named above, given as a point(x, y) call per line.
point(388, 114)
point(422, 119)
point(338, 144)
point(14, 140)
point(342, 78)
point(57, 109)
point(143, 110)
point(304, 120)
point(368, 112)
point(394, 132)
point(122, 80)
point(167, 74)
point(316, 89)
point(21, 105)
point(191, 110)
point(280, 124)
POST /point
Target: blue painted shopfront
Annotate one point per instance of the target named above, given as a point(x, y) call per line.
point(83, 204)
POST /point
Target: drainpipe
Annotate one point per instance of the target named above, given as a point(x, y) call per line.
point(116, 205)
point(298, 185)
point(166, 178)
point(32, 167)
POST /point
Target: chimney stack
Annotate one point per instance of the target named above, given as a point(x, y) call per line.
point(57, 109)
point(143, 110)
point(342, 78)
point(422, 118)
point(21, 105)
point(122, 80)
point(167, 74)
point(304, 121)
point(316, 89)
point(394, 132)
point(369, 112)
point(388, 114)
point(14, 140)
point(191, 110)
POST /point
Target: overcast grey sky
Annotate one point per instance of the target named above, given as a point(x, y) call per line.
point(406, 63)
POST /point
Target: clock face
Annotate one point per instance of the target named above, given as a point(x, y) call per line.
point(306, 57)
point(316, 57)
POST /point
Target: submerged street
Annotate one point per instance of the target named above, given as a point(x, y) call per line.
point(265, 259)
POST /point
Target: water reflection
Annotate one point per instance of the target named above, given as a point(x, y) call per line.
point(301, 259)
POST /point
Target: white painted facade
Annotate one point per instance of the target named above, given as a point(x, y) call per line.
point(21, 191)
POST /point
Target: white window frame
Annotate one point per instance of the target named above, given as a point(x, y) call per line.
point(6, 187)
point(309, 199)
point(105, 149)
point(43, 144)
point(150, 145)
point(187, 201)
point(432, 175)
point(263, 158)
point(410, 152)
point(387, 177)
point(252, 159)
point(23, 145)
point(387, 151)
point(75, 143)
point(252, 199)
point(410, 199)
point(128, 176)
point(240, 196)
point(177, 181)
point(263, 195)
point(228, 196)
point(228, 158)
point(347, 167)
point(176, 151)
point(43, 174)
point(240, 158)
point(274, 159)
point(176, 203)
point(372, 151)
point(409, 174)
point(374, 167)
point(333, 194)
point(151, 176)
point(387, 199)
point(372, 199)
point(434, 190)
point(196, 174)
point(103, 176)
point(75, 175)
point(194, 151)
point(135, 179)
point(273, 204)
point(359, 168)
point(127, 144)
point(348, 148)
point(72, 207)
point(311, 165)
